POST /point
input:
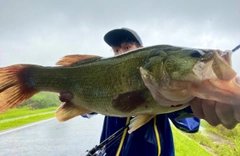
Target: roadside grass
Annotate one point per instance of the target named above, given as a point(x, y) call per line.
point(210, 141)
point(19, 112)
point(219, 140)
point(21, 116)
point(184, 146)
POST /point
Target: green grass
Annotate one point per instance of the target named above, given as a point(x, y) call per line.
point(227, 144)
point(184, 146)
point(24, 121)
point(21, 116)
point(19, 112)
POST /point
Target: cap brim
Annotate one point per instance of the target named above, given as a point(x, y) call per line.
point(116, 36)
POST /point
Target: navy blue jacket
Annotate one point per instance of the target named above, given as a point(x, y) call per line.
point(153, 138)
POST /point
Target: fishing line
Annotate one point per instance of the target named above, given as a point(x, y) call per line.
point(116, 139)
point(236, 48)
point(113, 141)
point(110, 139)
point(104, 146)
point(96, 150)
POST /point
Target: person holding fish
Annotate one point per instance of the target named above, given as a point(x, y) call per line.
point(155, 137)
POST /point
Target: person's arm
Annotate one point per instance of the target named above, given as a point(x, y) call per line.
point(185, 120)
point(89, 115)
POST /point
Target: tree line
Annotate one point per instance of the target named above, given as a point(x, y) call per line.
point(42, 100)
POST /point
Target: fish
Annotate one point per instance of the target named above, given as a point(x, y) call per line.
point(142, 83)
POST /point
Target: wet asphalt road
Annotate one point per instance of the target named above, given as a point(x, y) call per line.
point(52, 138)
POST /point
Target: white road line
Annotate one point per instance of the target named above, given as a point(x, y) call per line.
point(23, 117)
point(26, 126)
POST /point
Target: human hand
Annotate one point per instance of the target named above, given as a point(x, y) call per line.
point(216, 113)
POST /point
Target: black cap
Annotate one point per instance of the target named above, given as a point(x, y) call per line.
point(117, 36)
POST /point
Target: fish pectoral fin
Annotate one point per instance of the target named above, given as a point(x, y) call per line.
point(129, 101)
point(149, 81)
point(139, 121)
point(69, 110)
point(152, 85)
point(74, 60)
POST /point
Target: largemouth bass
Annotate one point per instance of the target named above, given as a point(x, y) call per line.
point(142, 83)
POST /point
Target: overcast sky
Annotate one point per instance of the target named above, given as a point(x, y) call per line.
point(43, 31)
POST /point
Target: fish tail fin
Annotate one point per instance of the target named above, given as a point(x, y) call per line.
point(14, 86)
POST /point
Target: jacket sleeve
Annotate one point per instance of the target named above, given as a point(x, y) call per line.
point(185, 120)
point(89, 115)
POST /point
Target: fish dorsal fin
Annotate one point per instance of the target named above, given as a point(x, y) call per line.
point(73, 60)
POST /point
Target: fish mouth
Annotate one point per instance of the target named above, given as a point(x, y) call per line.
point(220, 82)
point(225, 56)
point(215, 65)
point(222, 63)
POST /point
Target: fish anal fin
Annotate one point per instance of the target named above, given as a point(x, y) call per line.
point(139, 121)
point(69, 110)
point(129, 101)
point(73, 60)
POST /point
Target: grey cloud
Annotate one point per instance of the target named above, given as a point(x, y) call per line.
point(43, 31)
